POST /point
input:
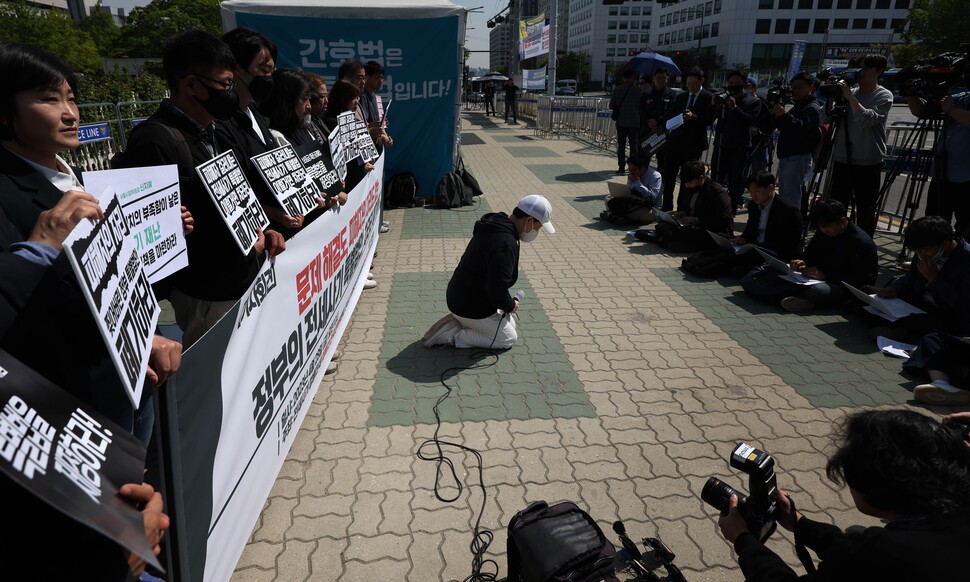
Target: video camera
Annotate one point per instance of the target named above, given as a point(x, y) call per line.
point(831, 92)
point(721, 95)
point(778, 94)
point(758, 509)
point(931, 79)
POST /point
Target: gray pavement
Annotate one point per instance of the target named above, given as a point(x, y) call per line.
point(630, 385)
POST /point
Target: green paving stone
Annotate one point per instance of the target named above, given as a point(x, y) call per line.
point(513, 138)
point(509, 387)
point(532, 152)
point(569, 174)
point(429, 221)
point(824, 356)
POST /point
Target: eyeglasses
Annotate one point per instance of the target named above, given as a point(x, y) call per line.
point(220, 85)
point(361, 77)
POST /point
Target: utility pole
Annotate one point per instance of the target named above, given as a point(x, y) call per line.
point(553, 33)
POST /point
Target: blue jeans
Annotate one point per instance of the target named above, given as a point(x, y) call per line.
point(791, 177)
point(764, 284)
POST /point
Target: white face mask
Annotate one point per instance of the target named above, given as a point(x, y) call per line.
point(529, 236)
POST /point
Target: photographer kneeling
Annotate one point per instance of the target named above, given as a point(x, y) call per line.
point(900, 466)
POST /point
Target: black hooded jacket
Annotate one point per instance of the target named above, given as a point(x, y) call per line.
point(489, 267)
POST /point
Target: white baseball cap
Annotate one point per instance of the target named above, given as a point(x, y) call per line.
point(539, 208)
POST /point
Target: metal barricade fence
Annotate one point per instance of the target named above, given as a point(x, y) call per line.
point(103, 131)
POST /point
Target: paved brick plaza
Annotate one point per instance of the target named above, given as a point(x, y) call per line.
point(629, 386)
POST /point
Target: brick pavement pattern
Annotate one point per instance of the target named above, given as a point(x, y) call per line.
point(630, 385)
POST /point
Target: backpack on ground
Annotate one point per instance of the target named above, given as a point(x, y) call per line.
point(466, 177)
point(402, 191)
point(712, 264)
point(452, 192)
point(558, 543)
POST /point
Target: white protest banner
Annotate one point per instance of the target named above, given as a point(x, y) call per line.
point(69, 456)
point(151, 200)
point(285, 175)
point(110, 273)
point(242, 391)
point(234, 197)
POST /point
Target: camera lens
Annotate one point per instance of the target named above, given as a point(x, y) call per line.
point(717, 494)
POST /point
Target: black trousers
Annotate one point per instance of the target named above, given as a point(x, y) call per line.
point(949, 199)
point(624, 135)
point(861, 185)
point(730, 171)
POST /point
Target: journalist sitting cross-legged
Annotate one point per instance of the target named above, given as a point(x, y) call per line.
point(902, 467)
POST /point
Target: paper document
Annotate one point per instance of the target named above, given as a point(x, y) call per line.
point(787, 273)
point(725, 242)
point(890, 309)
point(894, 348)
point(675, 122)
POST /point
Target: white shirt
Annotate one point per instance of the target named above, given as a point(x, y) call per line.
point(63, 178)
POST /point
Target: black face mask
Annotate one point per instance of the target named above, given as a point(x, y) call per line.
point(221, 104)
point(261, 88)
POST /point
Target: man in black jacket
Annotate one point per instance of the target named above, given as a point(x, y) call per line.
point(702, 206)
point(688, 141)
point(900, 466)
point(199, 71)
point(653, 105)
point(798, 135)
point(478, 293)
point(737, 116)
point(839, 251)
point(774, 224)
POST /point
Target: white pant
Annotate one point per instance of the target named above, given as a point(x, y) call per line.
point(479, 333)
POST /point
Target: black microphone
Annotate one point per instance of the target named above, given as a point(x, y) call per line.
point(628, 544)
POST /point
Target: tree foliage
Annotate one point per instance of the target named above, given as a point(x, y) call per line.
point(101, 27)
point(53, 30)
point(573, 65)
point(147, 27)
point(933, 27)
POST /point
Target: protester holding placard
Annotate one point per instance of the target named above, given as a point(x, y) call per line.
point(42, 200)
point(248, 130)
point(199, 72)
point(319, 97)
point(44, 321)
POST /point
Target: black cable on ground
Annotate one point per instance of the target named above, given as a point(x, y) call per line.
point(482, 537)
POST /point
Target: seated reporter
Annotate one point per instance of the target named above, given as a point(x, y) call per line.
point(938, 282)
point(645, 192)
point(702, 205)
point(839, 251)
point(900, 466)
point(945, 360)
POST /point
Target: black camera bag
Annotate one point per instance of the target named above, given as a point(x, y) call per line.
point(558, 543)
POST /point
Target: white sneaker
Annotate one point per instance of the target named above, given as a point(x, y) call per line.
point(370, 284)
point(370, 275)
point(386, 223)
point(941, 393)
point(384, 228)
point(331, 368)
point(336, 355)
point(443, 332)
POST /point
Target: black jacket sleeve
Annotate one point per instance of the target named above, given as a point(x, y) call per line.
point(500, 273)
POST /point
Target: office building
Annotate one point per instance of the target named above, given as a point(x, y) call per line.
point(608, 34)
point(760, 34)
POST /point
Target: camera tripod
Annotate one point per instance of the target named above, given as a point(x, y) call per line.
point(915, 157)
point(820, 186)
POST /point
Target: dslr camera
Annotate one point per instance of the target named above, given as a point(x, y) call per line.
point(778, 94)
point(759, 508)
point(931, 79)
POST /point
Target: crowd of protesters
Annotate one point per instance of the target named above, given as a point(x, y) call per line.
point(225, 95)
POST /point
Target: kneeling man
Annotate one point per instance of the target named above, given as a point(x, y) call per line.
point(478, 293)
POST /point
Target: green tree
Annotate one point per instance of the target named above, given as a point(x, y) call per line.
point(50, 29)
point(573, 66)
point(933, 27)
point(147, 27)
point(100, 25)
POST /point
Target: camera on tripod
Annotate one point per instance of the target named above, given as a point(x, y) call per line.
point(931, 79)
point(831, 91)
point(778, 94)
point(758, 509)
